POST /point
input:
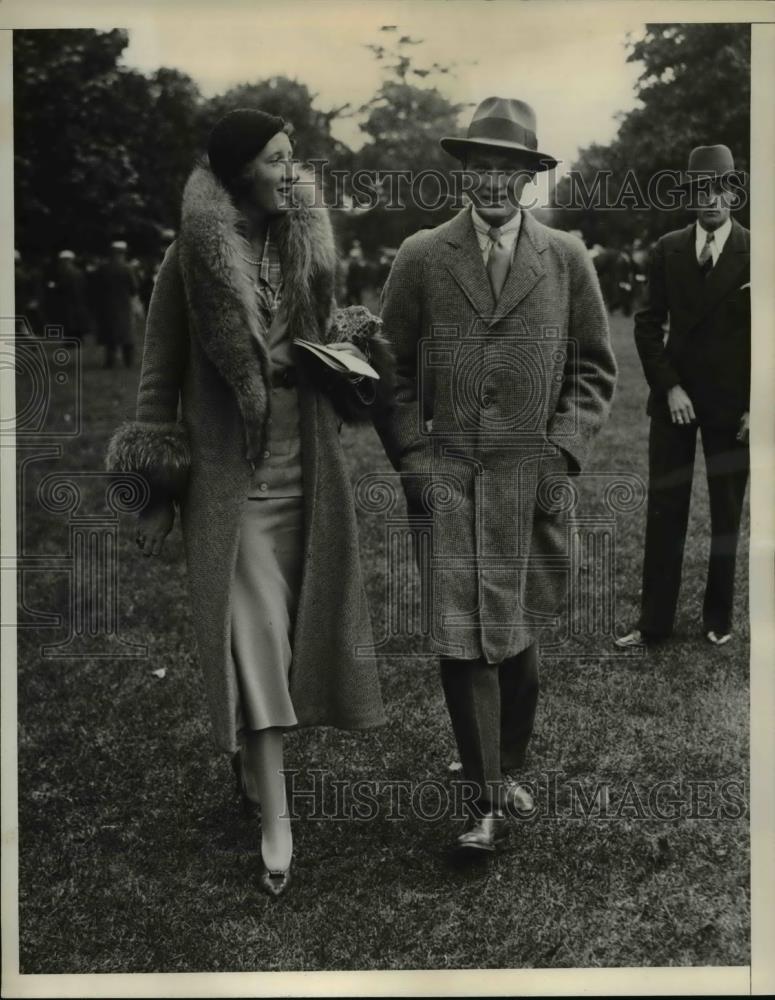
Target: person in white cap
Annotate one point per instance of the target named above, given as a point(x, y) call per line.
point(66, 298)
point(117, 303)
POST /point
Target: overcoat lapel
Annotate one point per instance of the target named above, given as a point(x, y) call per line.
point(527, 269)
point(464, 262)
point(219, 287)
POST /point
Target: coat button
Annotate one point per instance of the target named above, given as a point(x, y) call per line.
point(267, 453)
point(263, 487)
point(486, 400)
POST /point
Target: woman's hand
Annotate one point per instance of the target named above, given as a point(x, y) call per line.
point(154, 523)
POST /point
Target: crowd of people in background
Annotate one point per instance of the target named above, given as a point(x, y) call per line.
point(102, 299)
point(622, 273)
point(362, 278)
point(105, 299)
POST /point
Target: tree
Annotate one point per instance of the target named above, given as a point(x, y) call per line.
point(403, 123)
point(98, 148)
point(291, 100)
point(694, 90)
point(168, 142)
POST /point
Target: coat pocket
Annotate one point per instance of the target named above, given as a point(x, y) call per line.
point(553, 486)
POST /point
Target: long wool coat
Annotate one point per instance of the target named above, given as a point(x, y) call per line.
point(496, 405)
point(205, 347)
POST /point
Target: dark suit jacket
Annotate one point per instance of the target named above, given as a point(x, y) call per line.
point(708, 346)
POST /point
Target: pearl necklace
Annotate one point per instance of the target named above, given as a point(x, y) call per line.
point(250, 260)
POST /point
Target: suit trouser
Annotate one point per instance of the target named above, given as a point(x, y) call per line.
point(492, 709)
point(671, 469)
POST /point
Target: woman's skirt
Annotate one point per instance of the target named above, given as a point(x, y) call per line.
point(267, 581)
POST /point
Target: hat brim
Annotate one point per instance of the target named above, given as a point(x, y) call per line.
point(690, 181)
point(458, 148)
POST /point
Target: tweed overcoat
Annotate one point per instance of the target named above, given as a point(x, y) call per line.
point(496, 405)
point(205, 349)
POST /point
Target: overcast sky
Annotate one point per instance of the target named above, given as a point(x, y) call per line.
point(566, 59)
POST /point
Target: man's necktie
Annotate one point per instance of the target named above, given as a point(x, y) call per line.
point(705, 260)
point(498, 262)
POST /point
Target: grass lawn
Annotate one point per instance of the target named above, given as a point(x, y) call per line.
point(133, 857)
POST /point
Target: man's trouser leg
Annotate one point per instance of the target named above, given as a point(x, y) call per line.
point(472, 693)
point(726, 462)
point(671, 468)
point(518, 677)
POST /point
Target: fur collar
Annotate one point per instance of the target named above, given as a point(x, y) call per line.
point(221, 296)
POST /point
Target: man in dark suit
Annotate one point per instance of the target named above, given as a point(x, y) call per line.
point(699, 282)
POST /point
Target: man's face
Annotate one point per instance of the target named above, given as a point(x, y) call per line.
point(500, 180)
point(714, 203)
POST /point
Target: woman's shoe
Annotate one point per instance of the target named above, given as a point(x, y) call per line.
point(273, 883)
point(250, 809)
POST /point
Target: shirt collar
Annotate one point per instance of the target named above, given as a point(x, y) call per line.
point(512, 226)
point(720, 235)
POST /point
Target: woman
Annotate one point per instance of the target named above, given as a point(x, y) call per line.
point(255, 464)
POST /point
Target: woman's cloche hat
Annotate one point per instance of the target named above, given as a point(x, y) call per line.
point(501, 123)
point(238, 137)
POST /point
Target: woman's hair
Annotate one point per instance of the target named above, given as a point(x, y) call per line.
point(238, 184)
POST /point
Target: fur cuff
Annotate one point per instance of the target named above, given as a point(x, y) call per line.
point(361, 401)
point(160, 452)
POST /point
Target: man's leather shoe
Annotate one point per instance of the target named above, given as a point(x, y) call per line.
point(517, 800)
point(486, 834)
point(633, 640)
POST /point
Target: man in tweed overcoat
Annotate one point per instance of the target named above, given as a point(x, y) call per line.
point(505, 376)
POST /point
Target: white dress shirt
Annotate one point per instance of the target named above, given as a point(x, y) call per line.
point(508, 233)
point(720, 237)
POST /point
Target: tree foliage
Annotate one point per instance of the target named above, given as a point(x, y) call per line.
point(99, 148)
point(403, 124)
point(293, 101)
point(694, 90)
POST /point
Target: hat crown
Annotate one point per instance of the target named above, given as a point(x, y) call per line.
point(504, 118)
point(505, 124)
point(711, 160)
point(508, 108)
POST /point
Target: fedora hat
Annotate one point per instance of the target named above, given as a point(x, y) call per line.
point(505, 124)
point(712, 162)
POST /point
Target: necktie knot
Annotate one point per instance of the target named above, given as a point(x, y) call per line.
point(498, 261)
point(705, 259)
